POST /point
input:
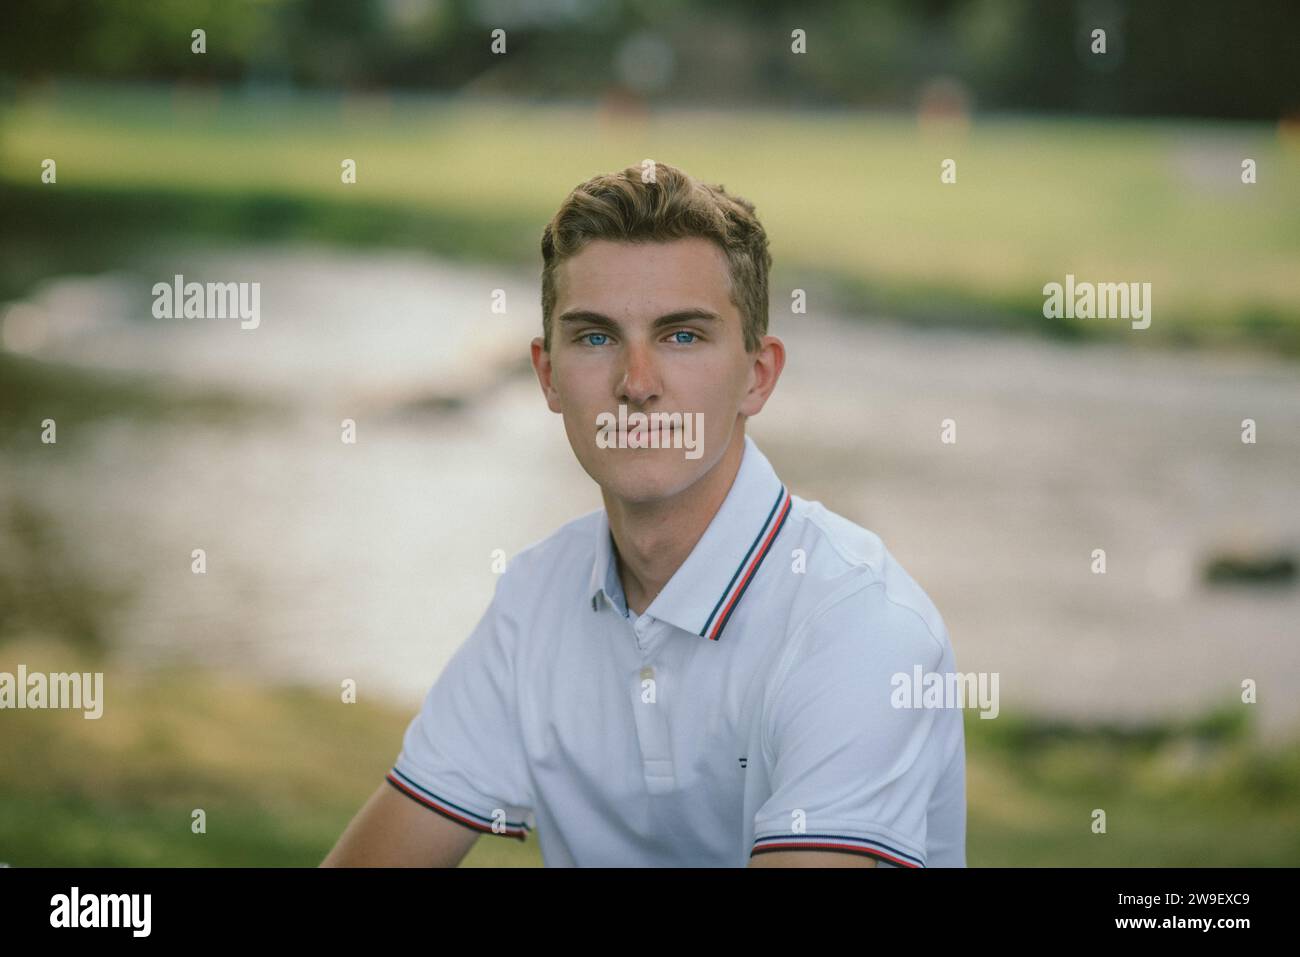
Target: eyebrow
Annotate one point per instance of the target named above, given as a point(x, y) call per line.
point(587, 317)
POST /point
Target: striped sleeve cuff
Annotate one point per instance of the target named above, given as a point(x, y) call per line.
point(838, 843)
point(457, 812)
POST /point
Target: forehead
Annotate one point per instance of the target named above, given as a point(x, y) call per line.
point(608, 274)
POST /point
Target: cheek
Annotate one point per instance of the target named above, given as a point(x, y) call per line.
point(581, 386)
point(718, 397)
point(727, 386)
point(585, 361)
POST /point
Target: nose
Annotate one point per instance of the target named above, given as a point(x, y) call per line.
point(640, 382)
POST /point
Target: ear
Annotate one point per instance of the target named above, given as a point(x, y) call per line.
point(766, 369)
point(545, 372)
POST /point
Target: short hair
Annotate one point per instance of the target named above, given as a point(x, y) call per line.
point(621, 207)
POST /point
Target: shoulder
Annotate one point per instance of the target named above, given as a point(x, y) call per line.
point(854, 597)
point(565, 554)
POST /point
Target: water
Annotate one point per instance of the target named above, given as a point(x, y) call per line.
point(373, 561)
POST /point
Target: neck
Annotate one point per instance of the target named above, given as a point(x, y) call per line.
point(653, 539)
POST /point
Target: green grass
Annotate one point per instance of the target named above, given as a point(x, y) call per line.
point(847, 198)
point(280, 771)
point(1197, 793)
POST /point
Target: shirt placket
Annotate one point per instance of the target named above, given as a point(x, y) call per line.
point(650, 709)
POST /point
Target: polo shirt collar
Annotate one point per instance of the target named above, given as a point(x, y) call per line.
point(703, 593)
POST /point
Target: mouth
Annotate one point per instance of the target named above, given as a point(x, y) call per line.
point(665, 430)
point(662, 428)
point(640, 430)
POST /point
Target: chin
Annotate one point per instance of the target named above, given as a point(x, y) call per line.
point(644, 475)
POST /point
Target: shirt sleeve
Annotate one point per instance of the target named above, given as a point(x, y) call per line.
point(850, 771)
point(462, 755)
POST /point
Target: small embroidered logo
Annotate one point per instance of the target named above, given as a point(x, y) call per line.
point(744, 762)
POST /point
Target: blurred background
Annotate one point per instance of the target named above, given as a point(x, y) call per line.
point(371, 561)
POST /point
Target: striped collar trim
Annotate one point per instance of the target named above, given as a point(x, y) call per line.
point(758, 550)
point(703, 594)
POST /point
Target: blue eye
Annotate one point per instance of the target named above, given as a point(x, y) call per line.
point(598, 335)
point(683, 332)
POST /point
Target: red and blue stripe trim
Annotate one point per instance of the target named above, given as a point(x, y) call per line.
point(460, 815)
point(836, 842)
point(762, 543)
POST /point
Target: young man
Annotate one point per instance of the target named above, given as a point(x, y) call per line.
point(701, 673)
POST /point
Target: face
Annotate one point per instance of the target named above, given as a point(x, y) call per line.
point(650, 326)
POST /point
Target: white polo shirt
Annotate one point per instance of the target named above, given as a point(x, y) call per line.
point(748, 710)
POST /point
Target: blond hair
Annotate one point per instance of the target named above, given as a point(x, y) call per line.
point(621, 207)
